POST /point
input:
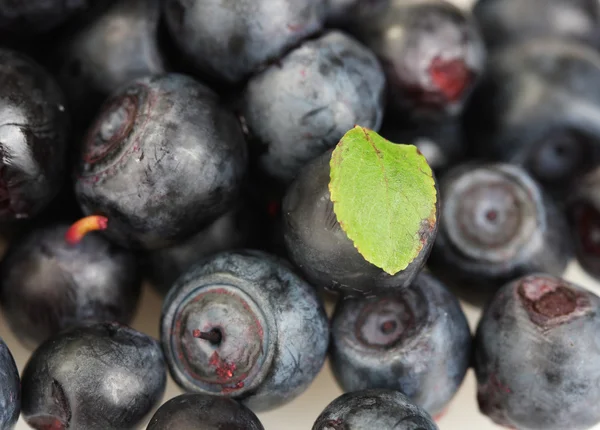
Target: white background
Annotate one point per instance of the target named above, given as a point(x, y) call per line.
point(301, 413)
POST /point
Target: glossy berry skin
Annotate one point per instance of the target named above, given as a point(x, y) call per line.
point(503, 22)
point(34, 130)
point(231, 40)
point(497, 224)
point(528, 355)
point(204, 412)
point(374, 409)
point(242, 325)
point(230, 231)
point(583, 209)
point(303, 106)
point(163, 159)
point(109, 51)
point(101, 376)
point(323, 252)
point(538, 106)
point(48, 285)
point(10, 389)
point(432, 54)
point(33, 17)
point(441, 141)
point(411, 341)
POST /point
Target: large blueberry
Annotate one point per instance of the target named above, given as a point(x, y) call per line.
point(163, 159)
point(241, 324)
point(497, 224)
point(10, 389)
point(411, 341)
point(374, 409)
point(302, 106)
point(34, 131)
point(232, 39)
point(537, 355)
point(95, 377)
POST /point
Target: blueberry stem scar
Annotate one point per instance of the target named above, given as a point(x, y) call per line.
point(214, 336)
point(85, 225)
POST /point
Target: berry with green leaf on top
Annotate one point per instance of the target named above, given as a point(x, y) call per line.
point(362, 219)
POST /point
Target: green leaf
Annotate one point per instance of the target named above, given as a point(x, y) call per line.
point(384, 197)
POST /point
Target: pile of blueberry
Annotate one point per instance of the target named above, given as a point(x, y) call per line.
point(189, 142)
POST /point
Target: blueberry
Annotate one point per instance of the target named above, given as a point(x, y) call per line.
point(50, 281)
point(432, 54)
point(411, 341)
point(302, 107)
point(116, 47)
point(243, 325)
point(34, 129)
point(321, 249)
point(441, 141)
point(374, 409)
point(538, 106)
point(583, 209)
point(348, 12)
point(10, 389)
point(497, 224)
point(101, 376)
point(163, 159)
point(232, 39)
point(201, 411)
point(230, 231)
point(503, 22)
point(537, 356)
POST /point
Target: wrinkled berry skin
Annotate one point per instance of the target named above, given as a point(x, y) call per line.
point(33, 17)
point(441, 141)
point(432, 54)
point(497, 224)
point(10, 390)
point(47, 285)
point(323, 252)
point(503, 22)
point(201, 411)
point(528, 355)
point(108, 52)
point(230, 40)
point(34, 130)
point(163, 159)
point(410, 341)
point(583, 210)
point(300, 108)
point(273, 331)
point(96, 377)
point(231, 231)
point(374, 409)
point(538, 105)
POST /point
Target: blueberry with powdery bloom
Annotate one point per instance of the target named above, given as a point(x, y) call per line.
point(230, 40)
point(432, 54)
point(57, 277)
point(320, 248)
point(583, 211)
point(537, 356)
point(503, 22)
point(416, 341)
point(374, 409)
point(204, 412)
point(95, 377)
point(34, 130)
point(538, 105)
point(164, 159)
point(303, 106)
point(10, 389)
point(242, 325)
point(497, 224)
